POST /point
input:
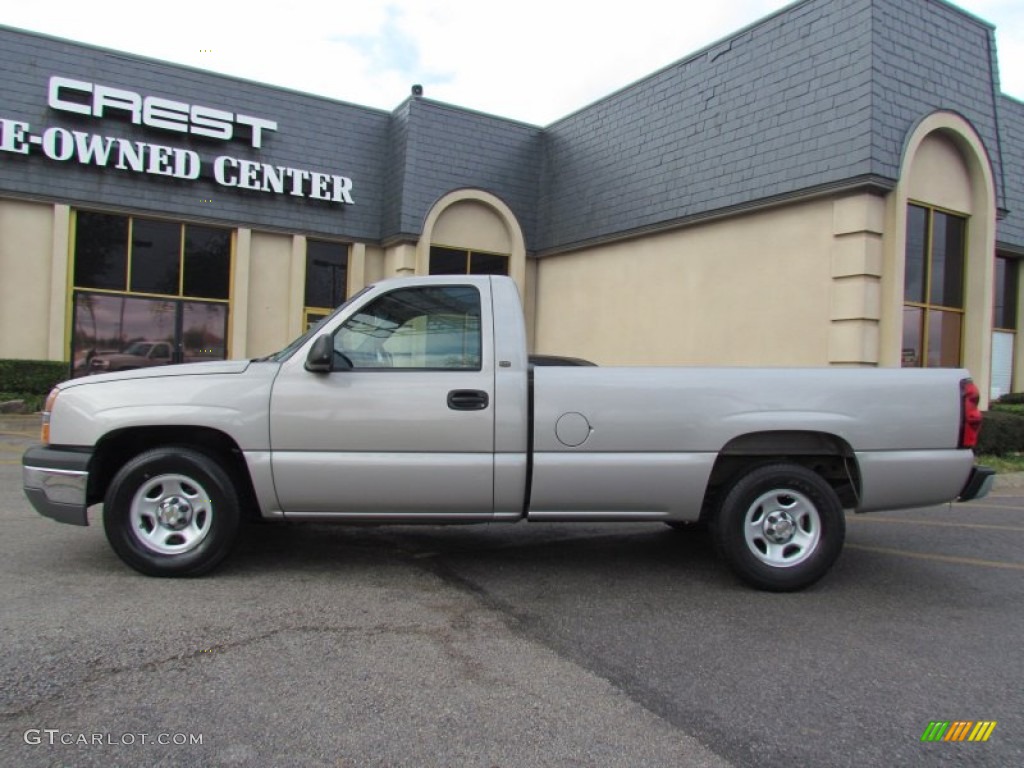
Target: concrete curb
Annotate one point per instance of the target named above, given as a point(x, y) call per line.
point(20, 422)
point(1008, 481)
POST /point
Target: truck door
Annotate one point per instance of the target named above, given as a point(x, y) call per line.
point(403, 424)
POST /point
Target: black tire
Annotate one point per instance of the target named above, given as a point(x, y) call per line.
point(172, 511)
point(780, 527)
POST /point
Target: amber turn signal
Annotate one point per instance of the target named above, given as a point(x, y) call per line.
point(44, 434)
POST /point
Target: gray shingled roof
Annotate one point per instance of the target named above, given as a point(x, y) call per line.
point(1010, 231)
point(821, 94)
point(447, 148)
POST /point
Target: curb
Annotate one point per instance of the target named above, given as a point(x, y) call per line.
point(1008, 480)
point(20, 422)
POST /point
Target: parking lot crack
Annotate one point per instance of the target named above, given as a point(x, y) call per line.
point(98, 674)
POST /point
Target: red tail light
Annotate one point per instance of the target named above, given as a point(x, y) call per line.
point(970, 414)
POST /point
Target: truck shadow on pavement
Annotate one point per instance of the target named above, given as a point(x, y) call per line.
point(626, 551)
point(648, 557)
point(563, 554)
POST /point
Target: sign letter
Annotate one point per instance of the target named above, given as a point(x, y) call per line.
point(257, 124)
point(222, 167)
point(57, 101)
point(12, 137)
point(115, 98)
point(58, 144)
point(166, 114)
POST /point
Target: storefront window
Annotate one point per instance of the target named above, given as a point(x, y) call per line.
point(1005, 308)
point(101, 251)
point(933, 295)
point(455, 261)
point(1004, 326)
point(326, 279)
point(207, 262)
point(156, 257)
point(136, 285)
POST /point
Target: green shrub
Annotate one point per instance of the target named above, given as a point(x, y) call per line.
point(1002, 433)
point(1005, 408)
point(1011, 398)
point(31, 377)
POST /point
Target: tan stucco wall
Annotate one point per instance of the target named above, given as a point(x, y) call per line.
point(749, 290)
point(939, 176)
point(373, 268)
point(474, 226)
point(270, 294)
point(858, 224)
point(27, 241)
point(530, 303)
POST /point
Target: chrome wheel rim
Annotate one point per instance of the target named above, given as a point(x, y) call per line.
point(171, 514)
point(782, 528)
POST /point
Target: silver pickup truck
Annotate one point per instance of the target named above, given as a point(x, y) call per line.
point(415, 402)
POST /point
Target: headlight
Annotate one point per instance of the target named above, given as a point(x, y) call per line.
point(51, 398)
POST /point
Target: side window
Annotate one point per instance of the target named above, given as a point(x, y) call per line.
point(434, 328)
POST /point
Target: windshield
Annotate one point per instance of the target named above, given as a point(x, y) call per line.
point(284, 354)
point(140, 348)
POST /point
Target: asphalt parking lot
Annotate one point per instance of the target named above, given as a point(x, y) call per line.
point(525, 645)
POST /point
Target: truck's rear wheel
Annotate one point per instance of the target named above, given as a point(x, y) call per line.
point(780, 527)
point(172, 511)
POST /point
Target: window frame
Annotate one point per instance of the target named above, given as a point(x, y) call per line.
point(469, 254)
point(479, 305)
point(1011, 278)
point(181, 301)
point(313, 313)
point(925, 306)
point(129, 258)
point(1010, 283)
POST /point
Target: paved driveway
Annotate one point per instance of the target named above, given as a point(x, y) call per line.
point(603, 645)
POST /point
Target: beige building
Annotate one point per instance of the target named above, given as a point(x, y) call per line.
point(777, 199)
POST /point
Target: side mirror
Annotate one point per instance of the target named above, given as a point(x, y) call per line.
point(321, 355)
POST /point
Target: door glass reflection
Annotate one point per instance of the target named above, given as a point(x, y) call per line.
point(204, 331)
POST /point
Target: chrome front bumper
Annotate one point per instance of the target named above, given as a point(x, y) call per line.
point(56, 483)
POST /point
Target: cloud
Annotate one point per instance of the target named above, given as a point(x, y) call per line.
point(532, 60)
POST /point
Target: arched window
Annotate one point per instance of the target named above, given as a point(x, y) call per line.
point(933, 288)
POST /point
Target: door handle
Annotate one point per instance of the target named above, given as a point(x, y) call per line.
point(468, 400)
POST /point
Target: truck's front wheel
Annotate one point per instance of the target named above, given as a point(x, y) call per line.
point(172, 511)
point(780, 527)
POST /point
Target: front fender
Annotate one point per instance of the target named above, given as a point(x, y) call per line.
point(236, 404)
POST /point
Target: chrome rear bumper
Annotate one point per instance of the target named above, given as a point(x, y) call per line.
point(979, 483)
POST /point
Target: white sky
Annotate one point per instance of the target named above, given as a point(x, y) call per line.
point(532, 60)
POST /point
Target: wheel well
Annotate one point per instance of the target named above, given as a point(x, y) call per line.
point(114, 450)
point(829, 456)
